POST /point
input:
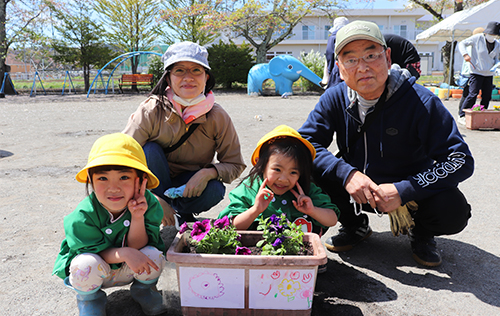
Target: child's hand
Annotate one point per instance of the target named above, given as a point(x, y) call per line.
point(139, 262)
point(263, 197)
point(138, 204)
point(304, 203)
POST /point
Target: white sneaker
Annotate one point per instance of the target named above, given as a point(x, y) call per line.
point(461, 120)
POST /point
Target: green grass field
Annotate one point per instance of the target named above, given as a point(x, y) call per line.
point(78, 83)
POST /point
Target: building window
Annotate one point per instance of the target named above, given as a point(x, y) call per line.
point(381, 27)
point(271, 55)
point(307, 32)
point(327, 28)
point(400, 30)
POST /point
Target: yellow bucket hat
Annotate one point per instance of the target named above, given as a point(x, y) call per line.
point(119, 150)
point(281, 131)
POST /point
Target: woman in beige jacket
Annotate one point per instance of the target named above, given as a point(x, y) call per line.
point(189, 140)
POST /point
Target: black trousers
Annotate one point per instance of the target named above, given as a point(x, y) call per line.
point(445, 213)
point(476, 83)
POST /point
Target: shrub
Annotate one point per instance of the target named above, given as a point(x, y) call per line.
point(230, 63)
point(156, 68)
point(315, 61)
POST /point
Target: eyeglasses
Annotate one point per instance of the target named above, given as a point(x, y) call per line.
point(180, 72)
point(369, 58)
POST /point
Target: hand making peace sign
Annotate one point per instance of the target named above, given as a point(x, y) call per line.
point(304, 203)
point(138, 204)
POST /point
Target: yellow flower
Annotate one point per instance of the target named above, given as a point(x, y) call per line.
point(288, 287)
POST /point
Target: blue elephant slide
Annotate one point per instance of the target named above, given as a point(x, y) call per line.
point(284, 70)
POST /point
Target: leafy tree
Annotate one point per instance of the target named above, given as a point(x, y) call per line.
point(187, 22)
point(230, 63)
point(81, 41)
point(263, 25)
point(131, 24)
point(16, 27)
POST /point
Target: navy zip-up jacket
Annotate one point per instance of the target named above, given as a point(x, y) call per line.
point(413, 142)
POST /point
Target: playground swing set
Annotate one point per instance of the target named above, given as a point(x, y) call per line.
point(125, 80)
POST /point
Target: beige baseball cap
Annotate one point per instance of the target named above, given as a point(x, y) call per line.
point(358, 30)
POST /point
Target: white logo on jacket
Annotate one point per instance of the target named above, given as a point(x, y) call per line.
point(441, 170)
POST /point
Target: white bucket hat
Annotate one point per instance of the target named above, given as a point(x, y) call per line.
point(185, 51)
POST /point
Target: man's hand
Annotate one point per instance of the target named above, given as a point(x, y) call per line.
point(364, 190)
point(393, 201)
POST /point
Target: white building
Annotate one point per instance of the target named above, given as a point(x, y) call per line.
point(312, 33)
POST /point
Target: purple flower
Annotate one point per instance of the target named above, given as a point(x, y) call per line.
point(238, 238)
point(278, 242)
point(200, 229)
point(478, 107)
point(280, 229)
point(183, 228)
point(221, 223)
point(274, 219)
point(206, 223)
point(243, 251)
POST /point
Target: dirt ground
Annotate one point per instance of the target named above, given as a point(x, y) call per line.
point(45, 140)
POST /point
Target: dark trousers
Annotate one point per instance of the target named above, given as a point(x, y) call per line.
point(445, 213)
point(158, 164)
point(465, 93)
point(476, 83)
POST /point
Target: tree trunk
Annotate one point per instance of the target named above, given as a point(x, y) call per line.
point(3, 39)
point(261, 52)
point(86, 77)
point(447, 50)
point(135, 63)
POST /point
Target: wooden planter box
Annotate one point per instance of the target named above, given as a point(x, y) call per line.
point(487, 119)
point(246, 285)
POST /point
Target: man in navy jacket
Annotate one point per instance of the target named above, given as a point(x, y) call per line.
point(397, 144)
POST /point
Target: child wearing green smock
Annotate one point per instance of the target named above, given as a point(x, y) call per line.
point(279, 183)
point(113, 238)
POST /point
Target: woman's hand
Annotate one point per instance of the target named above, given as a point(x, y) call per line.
point(304, 203)
point(263, 197)
point(138, 204)
point(198, 182)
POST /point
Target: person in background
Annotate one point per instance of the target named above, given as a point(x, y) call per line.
point(484, 53)
point(404, 54)
point(397, 144)
point(189, 140)
point(463, 80)
point(331, 71)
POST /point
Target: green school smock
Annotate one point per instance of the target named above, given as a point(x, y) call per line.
point(89, 229)
point(243, 197)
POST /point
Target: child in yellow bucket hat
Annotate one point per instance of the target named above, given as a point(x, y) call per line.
point(279, 183)
point(113, 236)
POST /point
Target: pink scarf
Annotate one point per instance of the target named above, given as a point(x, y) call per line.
point(192, 112)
